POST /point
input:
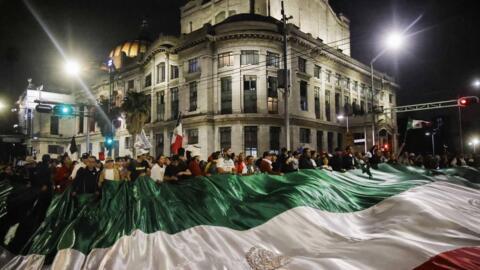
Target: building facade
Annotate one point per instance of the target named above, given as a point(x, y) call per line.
point(221, 75)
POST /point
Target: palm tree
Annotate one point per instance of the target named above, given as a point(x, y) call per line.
point(137, 109)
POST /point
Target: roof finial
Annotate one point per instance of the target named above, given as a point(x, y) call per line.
point(144, 30)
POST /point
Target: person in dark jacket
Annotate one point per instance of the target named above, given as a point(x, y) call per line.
point(348, 159)
point(86, 180)
point(337, 160)
point(305, 160)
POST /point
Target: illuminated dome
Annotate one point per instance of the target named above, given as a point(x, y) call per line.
point(130, 48)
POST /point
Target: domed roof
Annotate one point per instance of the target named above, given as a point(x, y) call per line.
point(131, 48)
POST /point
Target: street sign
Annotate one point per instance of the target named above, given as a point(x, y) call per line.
point(42, 108)
point(359, 141)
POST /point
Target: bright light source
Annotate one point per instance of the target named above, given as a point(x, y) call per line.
point(428, 134)
point(65, 110)
point(119, 119)
point(15, 126)
point(2, 106)
point(340, 117)
point(476, 83)
point(394, 40)
point(72, 68)
point(476, 141)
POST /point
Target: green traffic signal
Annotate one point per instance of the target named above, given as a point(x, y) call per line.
point(109, 142)
point(63, 110)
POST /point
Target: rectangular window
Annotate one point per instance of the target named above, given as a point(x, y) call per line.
point(273, 59)
point(148, 80)
point(272, 95)
point(347, 108)
point(328, 75)
point(302, 65)
point(369, 107)
point(193, 65)
point(149, 105)
point(303, 96)
point(337, 104)
point(225, 137)
point(130, 85)
point(55, 149)
point(338, 80)
point(275, 139)
point(192, 136)
point(362, 107)
point(174, 72)
point(81, 119)
point(390, 98)
point(250, 94)
point(304, 135)
point(355, 86)
point(225, 60)
point(161, 72)
point(362, 89)
point(347, 83)
point(159, 144)
point(317, 101)
point(54, 125)
point(193, 97)
point(330, 142)
point(251, 141)
point(174, 105)
point(319, 141)
point(340, 140)
point(328, 104)
point(160, 106)
point(317, 71)
point(249, 57)
point(226, 95)
point(92, 122)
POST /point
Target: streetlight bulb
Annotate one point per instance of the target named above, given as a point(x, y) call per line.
point(475, 141)
point(476, 83)
point(428, 134)
point(72, 68)
point(2, 106)
point(394, 40)
point(340, 117)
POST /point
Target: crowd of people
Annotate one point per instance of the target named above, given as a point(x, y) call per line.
point(34, 183)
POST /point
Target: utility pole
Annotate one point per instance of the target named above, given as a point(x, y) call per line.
point(286, 92)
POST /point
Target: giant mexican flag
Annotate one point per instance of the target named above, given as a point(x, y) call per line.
point(403, 218)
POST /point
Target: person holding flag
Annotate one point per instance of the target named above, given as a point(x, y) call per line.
point(177, 137)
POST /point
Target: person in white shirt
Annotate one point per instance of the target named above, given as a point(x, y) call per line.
point(158, 170)
point(226, 165)
point(79, 165)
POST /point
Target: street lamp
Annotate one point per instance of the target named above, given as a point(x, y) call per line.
point(393, 41)
point(433, 140)
point(2, 106)
point(341, 117)
point(476, 84)
point(72, 67)
point(474, 144)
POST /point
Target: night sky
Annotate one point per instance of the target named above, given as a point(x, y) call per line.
point(439, 63)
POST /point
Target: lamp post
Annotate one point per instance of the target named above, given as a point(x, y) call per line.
point(394, 41)
point(433, 140)
point(73, 69)
point(341, 117)
point(474, 144)
point(476, 83)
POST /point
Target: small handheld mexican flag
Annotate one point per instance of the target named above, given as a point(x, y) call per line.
point(417, 124)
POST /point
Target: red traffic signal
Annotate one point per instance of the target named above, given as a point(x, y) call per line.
point(467, 101)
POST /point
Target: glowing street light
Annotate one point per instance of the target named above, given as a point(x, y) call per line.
point(474, 144)
point(341, 117)
point(393, 41)
point(2, 105)
point(72, 68)
point(476, 84)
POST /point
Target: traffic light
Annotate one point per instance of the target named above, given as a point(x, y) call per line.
point(467, 101)
point(63, 110)
point(109, 142)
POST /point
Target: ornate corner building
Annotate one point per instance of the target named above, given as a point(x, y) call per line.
point(221, 74)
